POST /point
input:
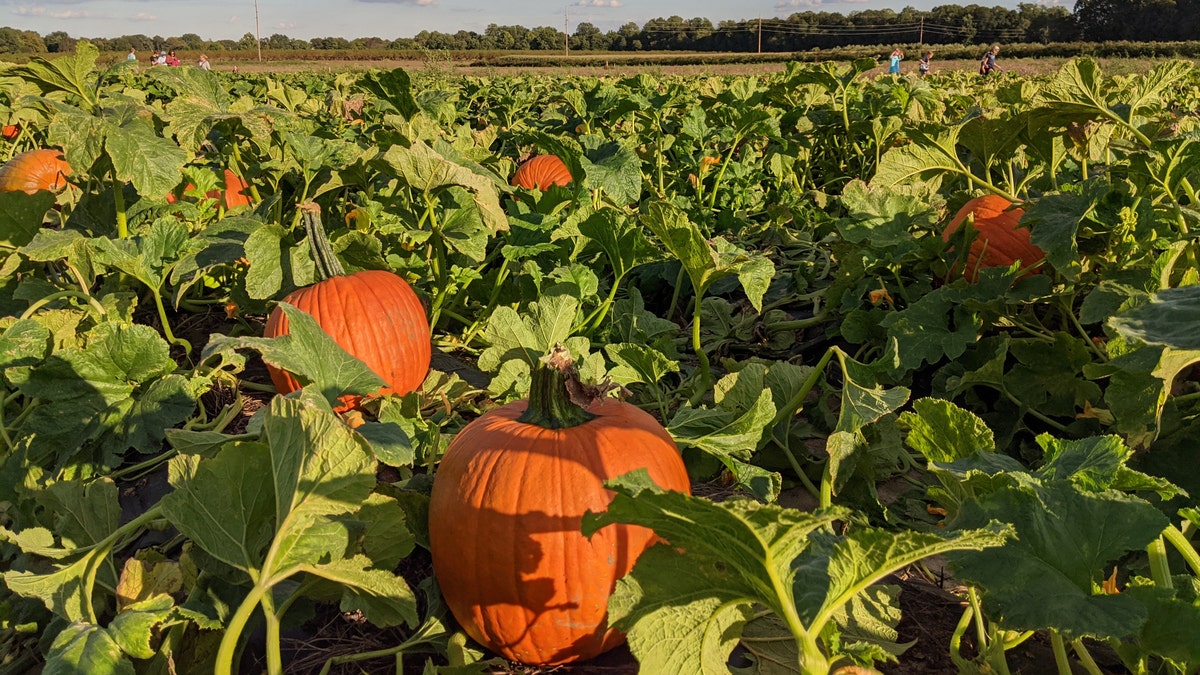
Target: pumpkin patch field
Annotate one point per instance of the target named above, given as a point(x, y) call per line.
point(408, 372)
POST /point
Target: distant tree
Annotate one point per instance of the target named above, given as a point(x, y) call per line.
point(546, 38)
point(247, 42)
point(192, 41)
point(58, 41)
point(588, 38)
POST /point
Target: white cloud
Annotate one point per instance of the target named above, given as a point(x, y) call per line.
point(600, 3)
point(144, 16)
point(52, 13)
point(419, 3)
point(285, 25)
point(795, 4)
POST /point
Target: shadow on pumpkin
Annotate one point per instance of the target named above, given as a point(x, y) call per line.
point(505, 529)
point(532, 588)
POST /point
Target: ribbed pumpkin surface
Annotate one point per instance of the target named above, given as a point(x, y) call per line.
point(998, 241)
point(541, 172)
point(373, 315)
point(35, 170)
point(504, 527)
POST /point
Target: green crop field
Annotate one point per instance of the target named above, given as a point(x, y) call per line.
point(745, 368)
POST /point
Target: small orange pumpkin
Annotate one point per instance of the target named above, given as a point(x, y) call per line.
point(35, 170)
point(541, 172)
point(506, 509)
point(373, 314)
point(998, 241)
point(236, 192)
point(10, 131)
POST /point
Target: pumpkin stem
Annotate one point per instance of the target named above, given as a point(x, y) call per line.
point(328, 265)
point(556, 396)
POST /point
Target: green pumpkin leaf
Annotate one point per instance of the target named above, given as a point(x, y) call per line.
point(84, 648)
point(21, 216)
point(383, 597)
point(309, 354)
point(1066, 541)
point(225, 504)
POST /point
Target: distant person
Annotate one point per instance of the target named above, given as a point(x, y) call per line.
point(173, 60)
point(154, 58)
point(161, 59)
point(923, 63)
point(235, 69)
point(988, 65)
point(204, 64)
point(894, 63)
point(132, 55)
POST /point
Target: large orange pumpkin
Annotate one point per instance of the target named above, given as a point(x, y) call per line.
point(541, 172)
point(373, 314)
point(236, 192)
point(504, 518)
point(998, 241)
point(35, 170)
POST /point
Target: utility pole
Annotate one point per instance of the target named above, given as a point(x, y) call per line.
point(921, 32)
point(760, 35)
point(257, 35)
point(566, 32)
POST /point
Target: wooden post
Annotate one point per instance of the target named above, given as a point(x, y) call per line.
point(257, 35)
point(760, 35)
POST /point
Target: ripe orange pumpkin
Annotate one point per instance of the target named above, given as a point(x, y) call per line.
point(373, 314)
point(10, 131)
point(505, 514)
point(35, 170)
point(541, 172)
point(998, 241)
point(236, 192)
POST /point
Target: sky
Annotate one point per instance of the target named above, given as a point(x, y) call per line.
point(390, 19)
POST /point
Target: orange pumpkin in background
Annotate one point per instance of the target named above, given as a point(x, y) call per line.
point(235, 194)
point(10, 131)
point(506, 511)
point(373, 314)
point(35, 170)
point(998, 241)
point(541, 172)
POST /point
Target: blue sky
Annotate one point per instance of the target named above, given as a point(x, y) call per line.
point(219, 19)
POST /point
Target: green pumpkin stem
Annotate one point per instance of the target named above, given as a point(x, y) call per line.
point(556, 393)
point(328, 265)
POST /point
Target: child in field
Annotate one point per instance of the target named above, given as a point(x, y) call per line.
point(988, 65)
point(923, 64)
point(894, 63)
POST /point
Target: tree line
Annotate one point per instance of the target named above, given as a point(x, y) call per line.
point(1092, 20)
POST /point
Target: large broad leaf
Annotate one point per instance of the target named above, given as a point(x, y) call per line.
point(927, 159)
point(1066, 540)
point(687, 612)
point(426, 170)
point(21, 216)
point(685, 603)
point(944, 432)
point(623, 242)
point(383, 597)
point(705, 262)
point(308, 353)
point(72, 74)
point(225, 504)
point(612, 167)
point(885, 220)
point(202, 103)
point(320, 468)
point(83, 648)
point(140, 156)
point(392, 88)
point(1169, 319)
